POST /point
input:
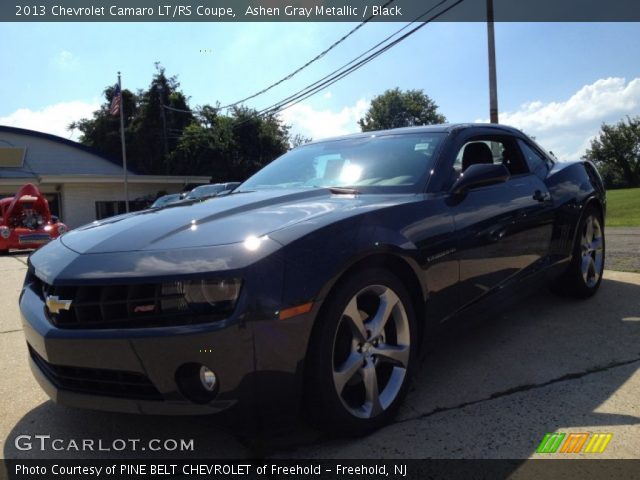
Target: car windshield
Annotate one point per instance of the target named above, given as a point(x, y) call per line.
point(400, 161)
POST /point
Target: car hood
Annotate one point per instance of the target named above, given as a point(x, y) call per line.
point(218, 221)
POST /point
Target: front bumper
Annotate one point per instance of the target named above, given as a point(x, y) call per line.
point(257, 358)
point(87, 360)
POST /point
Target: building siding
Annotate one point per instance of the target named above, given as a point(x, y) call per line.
point(79, 200)
point(45, 157)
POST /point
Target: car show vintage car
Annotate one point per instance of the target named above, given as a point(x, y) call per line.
point(319, 281)
point(26, 221)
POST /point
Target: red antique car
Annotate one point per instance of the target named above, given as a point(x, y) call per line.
point(26, 221)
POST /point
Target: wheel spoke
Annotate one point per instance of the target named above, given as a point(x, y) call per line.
point(396, 354)
point(388, 301)
point(593, 271)
point(375, 315)
point(596, 244)
point(584, 268)
point(355, 320)
point(346, 371)
point(588, 230)
point(372, 396)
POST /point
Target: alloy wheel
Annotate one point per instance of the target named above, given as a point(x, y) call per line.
point(371, 351)
point(592, 248)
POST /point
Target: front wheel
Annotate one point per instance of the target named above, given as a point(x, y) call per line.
point(362, 354)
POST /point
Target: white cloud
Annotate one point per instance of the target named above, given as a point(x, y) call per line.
point(328, 95)
point(566, 127)
point(64, 60)
point(319, 124)
point(53, 119)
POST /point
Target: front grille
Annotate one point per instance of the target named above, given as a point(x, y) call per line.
point(112, 383)
point(34, 238)
point(120, 306)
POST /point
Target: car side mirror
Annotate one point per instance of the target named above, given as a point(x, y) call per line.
point(478, 175)
point(54, 219)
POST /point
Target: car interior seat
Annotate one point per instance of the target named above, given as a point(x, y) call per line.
point(476, 153)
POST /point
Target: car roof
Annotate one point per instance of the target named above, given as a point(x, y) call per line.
point(440, 128)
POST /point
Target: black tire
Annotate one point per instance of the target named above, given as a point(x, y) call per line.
point(337, 352)
point(584, 273)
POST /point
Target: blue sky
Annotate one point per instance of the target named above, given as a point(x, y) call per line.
point(557, 81)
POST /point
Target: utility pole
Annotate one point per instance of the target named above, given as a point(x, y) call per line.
point(164, 128)
point(493, 88)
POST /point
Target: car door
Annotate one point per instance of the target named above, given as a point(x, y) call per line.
point(504, 229)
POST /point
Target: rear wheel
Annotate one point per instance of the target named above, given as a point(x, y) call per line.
point(584, 274)
point(362, 354)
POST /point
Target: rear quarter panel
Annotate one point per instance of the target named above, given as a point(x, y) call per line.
point(572, 186)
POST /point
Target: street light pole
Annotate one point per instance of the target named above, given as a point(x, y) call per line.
point(493, 88)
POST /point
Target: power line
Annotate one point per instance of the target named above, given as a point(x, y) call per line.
point(292, 74)
point(173, 109)
point(350, 66)
point(314, 59)
point(342, 72)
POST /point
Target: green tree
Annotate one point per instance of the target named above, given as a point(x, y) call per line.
point(395, 108)
point(164, 136)
point(102, 131)
point(616, 153)
point(203, 148)
point(257, 140)
point(229, 148)
point(163, 114)
point(145, 132)
point(299, 139)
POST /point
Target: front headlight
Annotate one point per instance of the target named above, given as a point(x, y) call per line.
point(200, 296)
point(5, 232)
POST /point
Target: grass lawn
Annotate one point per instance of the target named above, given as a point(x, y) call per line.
point(623, 207)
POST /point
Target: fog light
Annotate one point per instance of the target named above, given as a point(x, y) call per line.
point(208, 379)
point(197, 382)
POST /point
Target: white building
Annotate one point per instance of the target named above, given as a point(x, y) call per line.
point(80, 184)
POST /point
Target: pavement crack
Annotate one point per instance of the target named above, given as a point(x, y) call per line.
point(21, 260)
point(272, 444)
point(11, 331)
point(523, 388)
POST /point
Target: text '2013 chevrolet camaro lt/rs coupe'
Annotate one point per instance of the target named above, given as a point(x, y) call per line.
point(316, 282)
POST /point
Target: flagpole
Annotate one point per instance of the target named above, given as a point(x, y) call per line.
point(124, 148)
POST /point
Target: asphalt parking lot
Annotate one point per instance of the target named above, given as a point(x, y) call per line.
point(548, 365)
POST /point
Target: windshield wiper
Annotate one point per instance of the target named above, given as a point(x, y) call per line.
point(343, 191)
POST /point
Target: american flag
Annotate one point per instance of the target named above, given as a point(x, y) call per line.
point(116, 101)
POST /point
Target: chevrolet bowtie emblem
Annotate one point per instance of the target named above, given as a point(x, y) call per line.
point(55, 305)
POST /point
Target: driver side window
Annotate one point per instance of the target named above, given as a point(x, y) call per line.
point(487, 150)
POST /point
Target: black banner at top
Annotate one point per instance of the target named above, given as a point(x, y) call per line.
point(318, 10)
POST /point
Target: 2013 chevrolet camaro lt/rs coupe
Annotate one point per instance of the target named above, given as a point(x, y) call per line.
point(316, 282)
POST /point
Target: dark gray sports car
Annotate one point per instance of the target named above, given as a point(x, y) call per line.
point(318, 281)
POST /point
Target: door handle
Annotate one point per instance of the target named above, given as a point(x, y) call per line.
point(541, 196)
